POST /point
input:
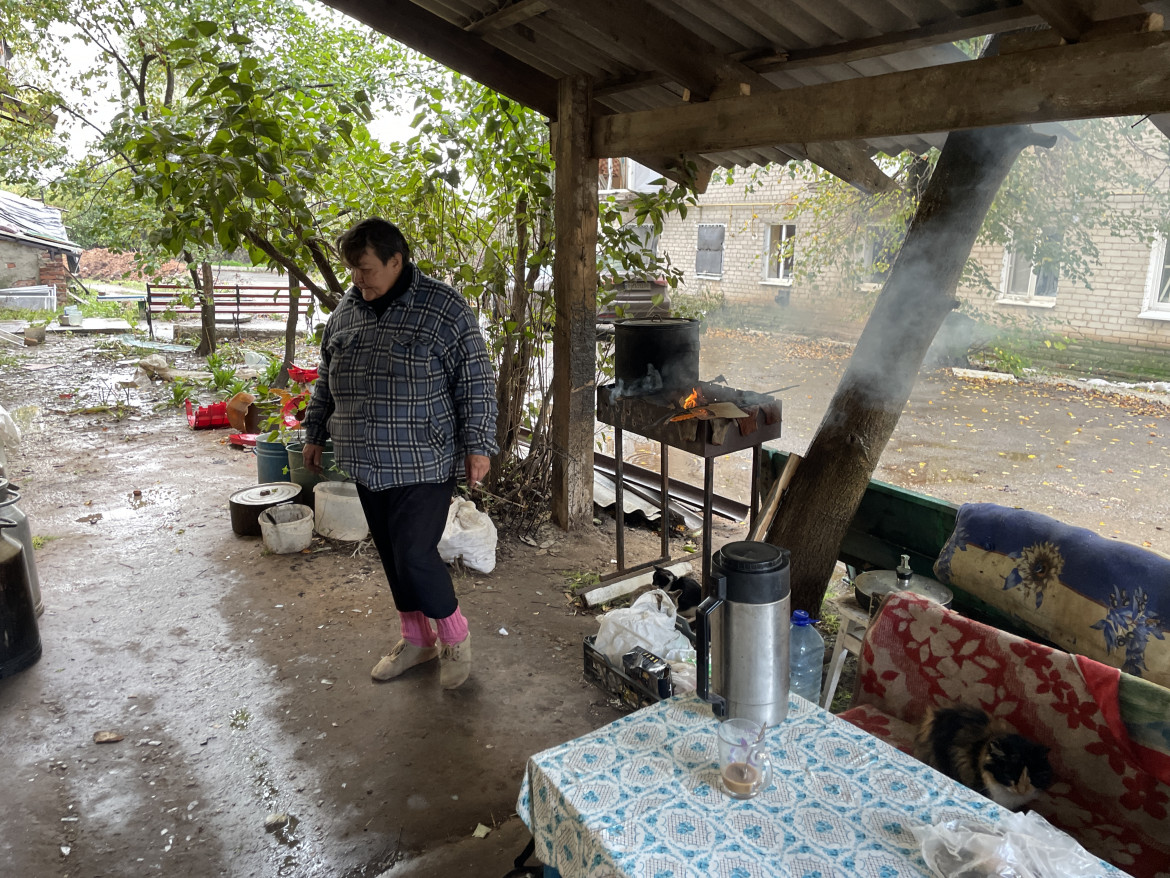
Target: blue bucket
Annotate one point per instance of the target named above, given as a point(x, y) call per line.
point(271, 462)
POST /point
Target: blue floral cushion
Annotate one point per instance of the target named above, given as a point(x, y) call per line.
point(1101, 598)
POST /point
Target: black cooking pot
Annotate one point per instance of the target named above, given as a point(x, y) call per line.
point(653, 354)
point(247, 504)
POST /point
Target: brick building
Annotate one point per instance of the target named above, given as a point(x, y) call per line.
point(743, 243)
point(35, 252)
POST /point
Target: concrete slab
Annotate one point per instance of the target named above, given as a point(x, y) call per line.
point(91, 326)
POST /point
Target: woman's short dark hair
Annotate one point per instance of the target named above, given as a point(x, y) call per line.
point(377, 234)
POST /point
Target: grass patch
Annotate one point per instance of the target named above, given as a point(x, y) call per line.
point(579, 581)
point(39, 542)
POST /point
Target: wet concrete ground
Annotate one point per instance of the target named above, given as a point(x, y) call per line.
point(239, 679)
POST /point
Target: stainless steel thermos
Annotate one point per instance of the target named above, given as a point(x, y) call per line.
point(743, 633)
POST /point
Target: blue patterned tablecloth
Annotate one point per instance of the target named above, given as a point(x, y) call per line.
point(640, 798)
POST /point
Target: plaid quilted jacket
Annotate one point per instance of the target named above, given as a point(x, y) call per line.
point(405, 397)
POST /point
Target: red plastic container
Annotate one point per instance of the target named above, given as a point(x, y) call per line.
point(207, 416)
point(302, 376)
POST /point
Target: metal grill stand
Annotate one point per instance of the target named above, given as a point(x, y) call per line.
point(650, 416)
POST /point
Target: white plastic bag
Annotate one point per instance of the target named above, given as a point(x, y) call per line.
point(1021, 846)
point(9, 431)
point(470, 536)
point(648, 623)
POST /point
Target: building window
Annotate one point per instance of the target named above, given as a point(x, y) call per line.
point(1158, 281)
point(1024, 280)
point(709, 258)
point(779, 253)
point(876, 254)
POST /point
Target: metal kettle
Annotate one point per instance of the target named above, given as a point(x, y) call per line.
point(745, 644)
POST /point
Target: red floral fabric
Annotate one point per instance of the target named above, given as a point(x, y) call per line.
point(1106, 794)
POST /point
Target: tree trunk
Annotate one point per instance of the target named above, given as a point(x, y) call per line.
point(290, 332)
point(917, 297)
point(206, 290)
point(513, 371)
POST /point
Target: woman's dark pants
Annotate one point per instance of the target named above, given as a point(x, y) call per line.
point(406, 524)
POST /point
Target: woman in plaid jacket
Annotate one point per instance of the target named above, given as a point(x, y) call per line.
point(407, 393)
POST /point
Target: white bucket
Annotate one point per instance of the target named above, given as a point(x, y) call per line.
point(339, 513)
point(287, 528)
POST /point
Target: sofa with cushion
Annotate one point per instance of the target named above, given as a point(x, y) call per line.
point(1102, 598)
point(1111, 788)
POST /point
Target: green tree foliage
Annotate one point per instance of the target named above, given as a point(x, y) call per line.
point(244, 125)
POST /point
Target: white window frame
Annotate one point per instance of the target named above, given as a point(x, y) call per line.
point(770, 245)
point(1152, 309)
point(722, 250)
point(1030, 299)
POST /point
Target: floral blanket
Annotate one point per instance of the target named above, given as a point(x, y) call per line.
point(1109, 793)
point(1094, 596)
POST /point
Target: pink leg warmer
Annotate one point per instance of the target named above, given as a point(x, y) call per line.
point(416, 629)
point(453, 629)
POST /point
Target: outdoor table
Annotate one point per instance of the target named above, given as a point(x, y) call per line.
point(640, 798)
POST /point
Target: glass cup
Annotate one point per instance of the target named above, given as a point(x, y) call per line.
point(744, 765)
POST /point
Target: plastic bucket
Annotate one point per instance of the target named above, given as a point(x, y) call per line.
point(338, 511)
point(306, 478)
point(287, 528)
point(271, 462)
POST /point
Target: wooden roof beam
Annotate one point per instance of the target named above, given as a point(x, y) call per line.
point(681, 54)
point(698, 66)
point(455, 48)
point(1118, 76)
point(1067, 17)
point(1076, 20)
point(506, 16)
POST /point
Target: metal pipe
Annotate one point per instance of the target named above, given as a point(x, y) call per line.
point(619, 499)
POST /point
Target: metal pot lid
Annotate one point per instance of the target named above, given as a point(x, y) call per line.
point(875, 583)
point(266, 494)
point(656, 321)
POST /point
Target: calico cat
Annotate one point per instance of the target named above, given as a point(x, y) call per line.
point(685, 591)
point(963, 743)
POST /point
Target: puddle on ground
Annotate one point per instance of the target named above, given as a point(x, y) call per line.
point(1019, 455)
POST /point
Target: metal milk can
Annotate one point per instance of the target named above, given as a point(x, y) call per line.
point(20, 641)
point(23, 535)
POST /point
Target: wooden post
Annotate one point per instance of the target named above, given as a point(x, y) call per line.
point(575, 292)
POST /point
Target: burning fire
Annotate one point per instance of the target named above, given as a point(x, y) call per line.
point(692, 400)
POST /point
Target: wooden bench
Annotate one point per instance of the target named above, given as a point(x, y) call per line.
point(234, 304)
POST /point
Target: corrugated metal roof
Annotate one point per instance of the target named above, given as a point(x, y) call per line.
point(790, 43)
point(30, 222)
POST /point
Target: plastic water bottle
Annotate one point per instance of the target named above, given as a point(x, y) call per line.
point(806, 656)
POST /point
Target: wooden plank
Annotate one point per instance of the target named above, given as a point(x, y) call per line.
point(681, 54)
point(505, 17)
point(1067, 17)
point(452, 46)
point(775, 495)
point(575, 286)
point(1128, 75)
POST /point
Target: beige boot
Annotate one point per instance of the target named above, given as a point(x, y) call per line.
point(403, 657)
point(455, 663)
